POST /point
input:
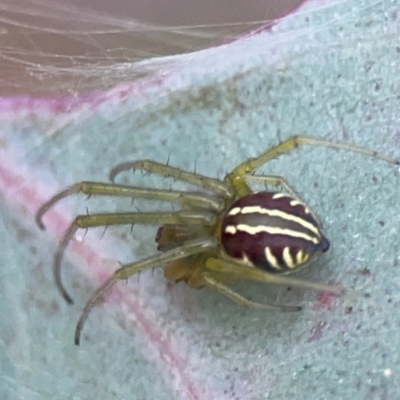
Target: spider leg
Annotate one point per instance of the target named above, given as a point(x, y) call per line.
point(246, 272)
point(152, 218)
point(126, 271)
point(195, 200)
point(238, 175)
point(215, 185)
point(276, 181)
point(215, 284)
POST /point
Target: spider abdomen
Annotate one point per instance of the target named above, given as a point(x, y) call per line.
point(272, 231)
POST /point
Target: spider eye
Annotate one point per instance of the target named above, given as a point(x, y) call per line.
point(272, 231)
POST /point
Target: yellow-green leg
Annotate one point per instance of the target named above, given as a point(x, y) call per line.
point(194, 200)
point(126, 271)
point(245, 272)
point(215, 284)
point(89, 221)
point(237, 177)
point(167, 171)
point(276, 181)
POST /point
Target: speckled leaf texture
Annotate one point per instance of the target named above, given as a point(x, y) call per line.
point(329, 70)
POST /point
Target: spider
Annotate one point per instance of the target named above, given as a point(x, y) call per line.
point(222, 235)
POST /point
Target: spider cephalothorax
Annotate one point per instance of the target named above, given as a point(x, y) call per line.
point(224, 234)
